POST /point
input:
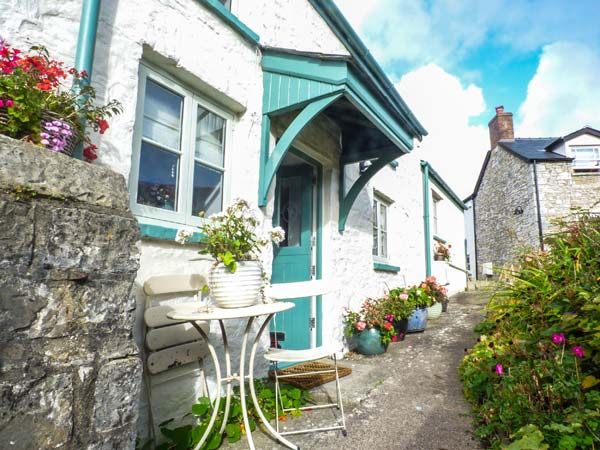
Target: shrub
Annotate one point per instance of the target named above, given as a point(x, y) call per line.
point(372, 314)
point(534, 373)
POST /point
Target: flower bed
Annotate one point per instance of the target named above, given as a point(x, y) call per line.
point(533, 377)
point(36, 106)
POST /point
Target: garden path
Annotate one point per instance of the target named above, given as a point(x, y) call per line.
point(409, 398)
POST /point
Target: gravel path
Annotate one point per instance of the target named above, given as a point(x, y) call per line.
point(409, 398)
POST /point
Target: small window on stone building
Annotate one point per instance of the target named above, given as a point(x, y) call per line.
point(587, 159)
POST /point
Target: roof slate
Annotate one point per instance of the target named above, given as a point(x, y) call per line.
point(532, 149)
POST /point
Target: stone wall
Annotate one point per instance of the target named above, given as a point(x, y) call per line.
point(501, 234)
point(555, 185)
point(585, 192)
point(69, 369)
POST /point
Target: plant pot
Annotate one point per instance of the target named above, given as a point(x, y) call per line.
point(400, 326)
point(437, 257)
point(238, 289)
point(434, 311)
point(417, 321)
point(71, 142)
point(445, 306)
point(368, 342)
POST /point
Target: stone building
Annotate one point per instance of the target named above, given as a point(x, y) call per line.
point(524, 185)
point(240, 98)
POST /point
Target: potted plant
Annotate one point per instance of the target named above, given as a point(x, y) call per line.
point(442, 252)
point(420, 300)
point(37, 106)
point(370, 328)
point(233, 240)
point(399, 309)
point(439, 295)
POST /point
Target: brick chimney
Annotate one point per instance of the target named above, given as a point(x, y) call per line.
point(501, 126)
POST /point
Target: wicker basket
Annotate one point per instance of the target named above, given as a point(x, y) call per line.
point(73, 141)
point(312, 380)
point(3, 117)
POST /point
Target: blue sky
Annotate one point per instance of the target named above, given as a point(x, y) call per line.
point(453, 61)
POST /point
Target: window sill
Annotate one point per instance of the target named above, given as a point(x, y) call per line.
point(153, 232)
point(383, 267)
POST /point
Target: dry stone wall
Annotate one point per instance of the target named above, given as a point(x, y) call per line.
point(500, 232)
point(69, 369)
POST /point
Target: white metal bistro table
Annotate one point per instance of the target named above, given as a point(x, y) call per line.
point(201, 313)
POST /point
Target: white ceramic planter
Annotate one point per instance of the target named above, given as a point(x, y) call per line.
point(435, 311)
point(235, 290)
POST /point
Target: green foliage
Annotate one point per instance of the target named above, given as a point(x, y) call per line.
point(398, 304)
point(372, 314)
point(536, 366)
point(186, 436)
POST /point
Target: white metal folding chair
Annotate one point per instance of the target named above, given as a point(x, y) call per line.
point(298, 290)
point(171, 343)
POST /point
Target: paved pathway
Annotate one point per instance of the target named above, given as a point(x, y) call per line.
point(409, 398)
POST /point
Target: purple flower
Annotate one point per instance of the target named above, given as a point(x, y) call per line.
point(559, 338)
point(499, 369)
point(45, 142)
point(578, 351)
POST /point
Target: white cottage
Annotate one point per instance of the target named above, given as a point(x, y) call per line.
point(275, 101)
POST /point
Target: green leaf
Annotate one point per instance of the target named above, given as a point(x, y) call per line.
point(266, 393)
point(202, 407)
point(589, 381)
point(295, 393)
point(567, 443)
point(215, 441)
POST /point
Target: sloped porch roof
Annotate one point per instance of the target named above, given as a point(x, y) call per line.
point(372, 126)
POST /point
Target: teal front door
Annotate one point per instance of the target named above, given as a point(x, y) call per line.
point(292, 259)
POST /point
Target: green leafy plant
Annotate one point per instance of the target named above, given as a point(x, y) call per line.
point(188, 435)
point(536, 367)
point(233, 235)
point(372, 314)
point(36, 105)
point(398, 304)
point(433, 289)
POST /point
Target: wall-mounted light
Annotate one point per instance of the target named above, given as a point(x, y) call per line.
point(364, 165)
point(518, 211)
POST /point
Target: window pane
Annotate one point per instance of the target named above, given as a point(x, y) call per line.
point(290, 210)
point(383, 217)
point(210, 137)
point(158, 177)
point(162, 115)
point(208, 190)
point(375, 229)
point(383, 245)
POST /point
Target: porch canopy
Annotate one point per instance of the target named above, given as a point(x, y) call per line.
point(376, 125)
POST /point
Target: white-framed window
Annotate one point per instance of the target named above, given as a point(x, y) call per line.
point(587, 159)
point(380, 228)
point(436, 199)
point(179, 156)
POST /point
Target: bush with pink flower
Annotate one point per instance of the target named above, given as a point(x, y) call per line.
point(372, 314)
point(535, 371)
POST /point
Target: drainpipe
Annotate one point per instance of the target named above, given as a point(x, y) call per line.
point(86, 45)
point(475, 240)
point(425, 170)
point(537, 204)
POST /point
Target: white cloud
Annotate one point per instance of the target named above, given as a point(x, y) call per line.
point(564, 93)
point(444, 106)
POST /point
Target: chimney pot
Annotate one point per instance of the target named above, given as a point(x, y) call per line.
point(501, 126)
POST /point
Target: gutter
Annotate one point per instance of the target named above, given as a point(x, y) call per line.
point(427, 231)
point(86, 46)
point(537, 204)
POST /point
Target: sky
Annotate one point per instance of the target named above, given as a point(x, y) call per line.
point(454, 61)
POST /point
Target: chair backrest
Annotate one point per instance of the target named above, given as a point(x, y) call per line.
point(172, 343)
point(300, 289)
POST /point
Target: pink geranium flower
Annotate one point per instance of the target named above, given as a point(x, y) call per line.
point(559, 338)
point(499, 369)
point(403, 296)
point(578, 351)
point(361, 325)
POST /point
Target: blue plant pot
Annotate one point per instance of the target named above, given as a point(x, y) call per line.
point(417, 321)
point(368, 342)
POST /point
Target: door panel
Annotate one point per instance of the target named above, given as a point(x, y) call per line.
point(292, 258)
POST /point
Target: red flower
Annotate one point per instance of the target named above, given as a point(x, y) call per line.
point(89, 153)
point(388, 326)
point(102, 125)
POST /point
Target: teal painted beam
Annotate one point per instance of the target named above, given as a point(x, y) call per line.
point(426, 227)
point(163, 233)
point(310, 68)
point(346, 201)
point(382, 267)
point(286, 140)
point(225, 15)
point(84, 53)
point(264, 157)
